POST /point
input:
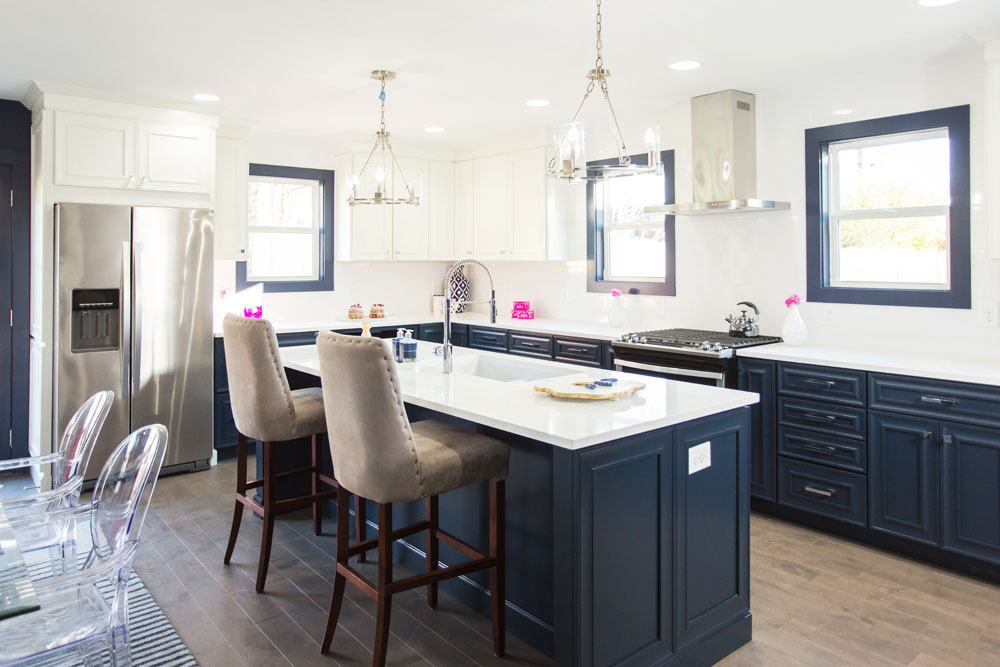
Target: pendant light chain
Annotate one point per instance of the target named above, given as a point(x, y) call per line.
point(599, 62)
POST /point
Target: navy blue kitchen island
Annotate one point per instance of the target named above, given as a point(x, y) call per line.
point(627, 521)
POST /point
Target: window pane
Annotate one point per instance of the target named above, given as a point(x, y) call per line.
point(894, 250)
point(627, 195)
point(913, 171)
point(636, 253)
point(281, 255)
point(283, 203)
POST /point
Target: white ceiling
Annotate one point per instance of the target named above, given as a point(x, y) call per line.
point(301, 66)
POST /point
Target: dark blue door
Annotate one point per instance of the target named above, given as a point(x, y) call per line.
point(971, 494)
point(6, 275)
point(904, 476)
point(759, 377)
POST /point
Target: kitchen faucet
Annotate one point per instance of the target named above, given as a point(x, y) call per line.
point(445, 350)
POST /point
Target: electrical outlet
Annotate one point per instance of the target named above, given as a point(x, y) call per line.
point(826, 315)
point(989, 317)
point(700, 457)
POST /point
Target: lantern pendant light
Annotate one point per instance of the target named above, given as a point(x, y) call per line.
point(570, 163)
point(384, 164)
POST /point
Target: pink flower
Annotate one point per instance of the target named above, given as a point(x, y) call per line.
point(616, 292)
point(794, 299)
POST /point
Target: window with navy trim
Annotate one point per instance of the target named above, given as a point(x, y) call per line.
point(290, 230)
point(887, 209)
point(628, 250)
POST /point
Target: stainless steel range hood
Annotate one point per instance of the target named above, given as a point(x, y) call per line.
point(724, 152)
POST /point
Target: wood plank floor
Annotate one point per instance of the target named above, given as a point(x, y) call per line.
point(816, 599)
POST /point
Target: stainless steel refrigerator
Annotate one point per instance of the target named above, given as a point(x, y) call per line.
point(133, 314)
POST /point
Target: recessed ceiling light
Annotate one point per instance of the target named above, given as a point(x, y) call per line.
point(842, 112)
point(206, 97)
point(537, 103)
point(434, 129)
point(685, 65)
point(935, 3)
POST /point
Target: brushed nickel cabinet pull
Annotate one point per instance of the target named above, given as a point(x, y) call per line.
point(819, 492)
point(819, 383)
point(936, 400)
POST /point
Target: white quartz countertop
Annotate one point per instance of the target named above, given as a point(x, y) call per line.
point(977, 370)
point(515, 407)
point(570, 328)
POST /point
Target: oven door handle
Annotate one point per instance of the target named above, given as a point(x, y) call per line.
point(625, 363)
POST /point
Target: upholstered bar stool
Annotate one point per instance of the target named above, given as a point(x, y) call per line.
point(379, 455)
point(266, 409)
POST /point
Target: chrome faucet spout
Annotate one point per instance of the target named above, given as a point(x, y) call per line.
point(446, 347)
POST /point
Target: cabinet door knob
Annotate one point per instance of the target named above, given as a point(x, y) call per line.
point(131, 179)
point(145, 179)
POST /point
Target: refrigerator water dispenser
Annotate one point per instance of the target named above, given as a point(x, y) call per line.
point(96, 320)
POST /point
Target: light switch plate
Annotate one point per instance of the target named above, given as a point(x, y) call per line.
point(700, 457)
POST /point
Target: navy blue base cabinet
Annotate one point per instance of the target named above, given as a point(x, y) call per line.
point(904, 463)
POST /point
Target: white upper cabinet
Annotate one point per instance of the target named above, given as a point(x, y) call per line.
point(410, 235)
point(526, 180)
point(492, 202)
point(94, 151)
point(97, 151)
point(465, 211)
point(510, 205)
point(371, 224)
point(175, 158)
point(232, 172)
point(441, 211)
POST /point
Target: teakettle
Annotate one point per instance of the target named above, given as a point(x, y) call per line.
point(744, 326)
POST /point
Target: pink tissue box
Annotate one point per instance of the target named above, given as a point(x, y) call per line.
point(522, 305)
point(522, 314)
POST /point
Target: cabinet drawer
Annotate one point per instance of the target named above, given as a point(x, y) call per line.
point(432, 332)
point(827, 384)
point(531, 346)
point(297, 338)
point(225, 426)
point(842, 453)
point(485, 338)
point(833, 493)
point(578, 351)
point(824, 417)
point(972, 403)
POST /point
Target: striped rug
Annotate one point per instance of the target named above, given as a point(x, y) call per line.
point(152, 639)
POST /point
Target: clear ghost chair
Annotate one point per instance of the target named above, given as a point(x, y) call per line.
point(84, 613)
point(69, 461)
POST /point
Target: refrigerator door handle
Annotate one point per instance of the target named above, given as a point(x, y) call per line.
point(137, 357)
point(126, 323)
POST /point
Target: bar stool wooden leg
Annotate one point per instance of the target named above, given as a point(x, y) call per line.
point(241, 488)
point(432, 548)
point(343, 543)
point(497, 572)
point(384, 579)
point(360, 524)
point(317, 504)
point(268, 492)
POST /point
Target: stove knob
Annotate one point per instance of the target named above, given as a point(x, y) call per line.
point(643, 340)
point(635, 338)
point(717, 347)
point(706, 346)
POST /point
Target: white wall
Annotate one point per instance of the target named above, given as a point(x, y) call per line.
point(761, 258)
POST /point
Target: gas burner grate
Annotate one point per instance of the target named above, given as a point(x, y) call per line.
point(695, 338)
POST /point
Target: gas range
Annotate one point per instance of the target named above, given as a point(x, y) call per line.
point(692, 355)
point(693, 341)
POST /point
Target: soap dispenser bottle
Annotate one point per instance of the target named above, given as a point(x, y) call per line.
point(397, 346)
point(409, 346)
